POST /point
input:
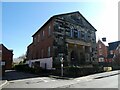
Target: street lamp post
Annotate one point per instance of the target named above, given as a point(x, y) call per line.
point(62, 66)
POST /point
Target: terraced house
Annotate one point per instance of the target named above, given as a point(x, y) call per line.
point(6, 58)
point(114, 52)
point(102, 52)
point(67, 35)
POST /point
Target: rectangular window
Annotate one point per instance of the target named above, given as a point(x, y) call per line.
point(82, 35)
point(100, 46)
point(75, 33)
point(86, 36)
point(111, 52)
point(38, 37)
point(100, 52)
point(49, 30)
point(101, 59)
point(71, 33)
point(49, 51)
point(78, 34)
point(43, 34)
point(34, 40)
point(68, 34)
point(42, 53)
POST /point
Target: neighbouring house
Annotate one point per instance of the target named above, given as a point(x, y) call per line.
point(6, 58)
point(116, 56)
point(102, 52)
point(67, 35)
point(113, 51)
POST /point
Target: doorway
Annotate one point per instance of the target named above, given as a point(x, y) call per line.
point(74, 58)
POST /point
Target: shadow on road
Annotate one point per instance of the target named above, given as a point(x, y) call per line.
point(15, 75)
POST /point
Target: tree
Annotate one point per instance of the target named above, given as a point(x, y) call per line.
point(20, 59)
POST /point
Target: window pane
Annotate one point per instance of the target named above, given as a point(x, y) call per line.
point(48, 51)
point(49, 31)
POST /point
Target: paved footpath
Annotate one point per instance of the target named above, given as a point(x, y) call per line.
point(14, 75)
point(3, 83)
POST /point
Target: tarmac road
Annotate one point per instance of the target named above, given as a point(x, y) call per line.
point(101, 80)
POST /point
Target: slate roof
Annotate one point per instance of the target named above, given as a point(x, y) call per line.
point(113, 45)
point(110, 56)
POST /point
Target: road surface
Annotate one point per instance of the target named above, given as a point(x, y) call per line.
point(102, 80)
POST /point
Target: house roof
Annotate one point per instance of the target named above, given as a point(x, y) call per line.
point(1, 45)
point(110, 56)
point(113, 45)
point(62, 15)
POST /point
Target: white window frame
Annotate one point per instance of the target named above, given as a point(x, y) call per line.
point(2, 63)
point(101, 59)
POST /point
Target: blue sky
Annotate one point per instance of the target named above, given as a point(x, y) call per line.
point(21, 20)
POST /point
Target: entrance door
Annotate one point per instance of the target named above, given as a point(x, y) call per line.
point(82, 58)
point(74, 58)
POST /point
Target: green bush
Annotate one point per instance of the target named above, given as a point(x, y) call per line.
point(26, 68)
point(71, 71)
point(76, 71)
point(35, 70)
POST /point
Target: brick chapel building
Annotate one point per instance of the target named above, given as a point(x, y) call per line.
point(67, 35)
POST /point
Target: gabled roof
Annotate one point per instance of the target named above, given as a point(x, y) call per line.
point(62, 15)
point(2, 46)
point(113, 45)
point(104, 43)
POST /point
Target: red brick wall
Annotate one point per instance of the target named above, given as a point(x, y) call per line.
point(36, 47)
point(7, 56)
point(104, 50)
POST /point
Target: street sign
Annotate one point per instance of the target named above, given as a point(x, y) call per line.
point(2, 63)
